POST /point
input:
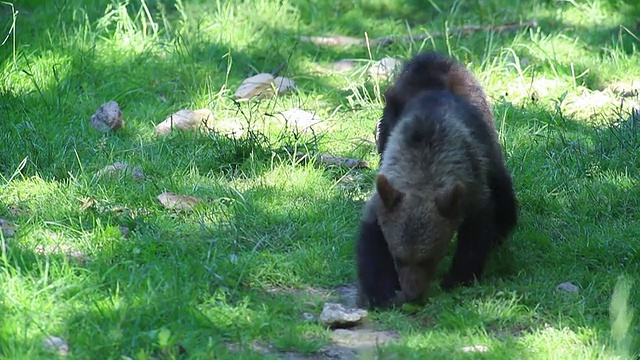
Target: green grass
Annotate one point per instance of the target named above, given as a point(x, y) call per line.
point(272, 233)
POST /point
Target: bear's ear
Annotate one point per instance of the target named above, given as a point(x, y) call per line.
point(390, 196)
point(449, 200)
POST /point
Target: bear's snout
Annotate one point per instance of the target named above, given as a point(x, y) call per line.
point(413, 282)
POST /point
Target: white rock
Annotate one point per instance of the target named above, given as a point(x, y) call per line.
point(336, 315)
point(189, 120)
point(284, 85)
point(259, 84)
point(298, 118)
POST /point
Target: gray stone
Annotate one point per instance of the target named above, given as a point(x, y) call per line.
point(338, 316)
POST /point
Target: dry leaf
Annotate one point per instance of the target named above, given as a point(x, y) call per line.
point(87, 203)
point(186, 120)
point(173, 201)
point(260, 84)
point(118, 168)
point(108, 117)
point(8, 228)
point(56, 344)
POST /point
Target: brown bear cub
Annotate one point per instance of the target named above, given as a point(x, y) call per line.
point(442, 171)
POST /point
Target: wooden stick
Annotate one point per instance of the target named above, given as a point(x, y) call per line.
point(339, 40)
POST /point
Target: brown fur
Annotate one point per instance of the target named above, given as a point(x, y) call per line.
point(430, 72)
point(442, 172)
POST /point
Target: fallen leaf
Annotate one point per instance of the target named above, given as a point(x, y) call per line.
point(8, 228)
point(87, 203)
point(56, 344)
point(260, 84)
point(108, 117)
point(189, 120)
point(173, 201)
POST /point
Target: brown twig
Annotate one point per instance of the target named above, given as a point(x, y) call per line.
point(339, 40)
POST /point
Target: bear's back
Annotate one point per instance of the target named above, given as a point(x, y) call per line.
point(439, 138)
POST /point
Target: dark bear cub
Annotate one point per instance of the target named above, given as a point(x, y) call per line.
point(442, 171)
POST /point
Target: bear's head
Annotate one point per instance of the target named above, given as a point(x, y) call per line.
point(418, 227)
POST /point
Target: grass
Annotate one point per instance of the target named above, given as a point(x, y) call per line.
point(272, 233)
